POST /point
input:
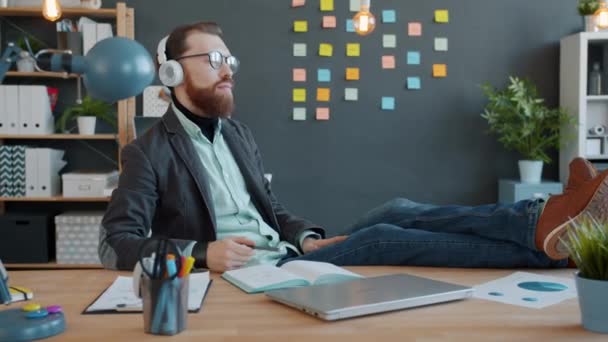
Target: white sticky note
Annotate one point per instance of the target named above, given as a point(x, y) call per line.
point(389, 41)
point(299, 49)
point(355, 5)
point(351, 94)
point(441, 44)
point(299, 113)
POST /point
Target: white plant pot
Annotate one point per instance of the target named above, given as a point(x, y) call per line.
point(589, 23)
point(26, 63)
point(530, 171)
point(86, 125)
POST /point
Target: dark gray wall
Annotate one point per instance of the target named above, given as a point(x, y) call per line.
point(432, 148)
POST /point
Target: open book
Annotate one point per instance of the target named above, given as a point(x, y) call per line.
point(19, 293)
point(295, 273)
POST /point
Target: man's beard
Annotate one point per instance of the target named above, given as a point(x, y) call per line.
point(208, 101)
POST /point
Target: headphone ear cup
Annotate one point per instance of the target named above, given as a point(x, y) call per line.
point(171, 73)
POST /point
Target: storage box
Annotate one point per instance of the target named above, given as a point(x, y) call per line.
point(78, 237)
point(26, 238)
point(511, 191)
point(83, 184)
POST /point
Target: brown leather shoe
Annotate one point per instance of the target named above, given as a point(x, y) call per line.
point(581, 170)
point(590, 198)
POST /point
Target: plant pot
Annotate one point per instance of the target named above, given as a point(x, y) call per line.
point(26, 63)
point(589, 23)
point(86, 125)
point(593, 302)
point(530, 171)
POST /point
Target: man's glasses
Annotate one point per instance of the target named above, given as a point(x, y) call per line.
point(216, 59)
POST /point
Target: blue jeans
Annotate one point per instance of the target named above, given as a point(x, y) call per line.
point(403, 232)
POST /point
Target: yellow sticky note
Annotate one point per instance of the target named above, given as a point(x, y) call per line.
point(440, 70)
point(327, 5)
point(299, 95)
point(326, 50)
point(388, 62)
point(352, 74)
point(300, 26)
point(329, 21)
point(353, 49)
point(299, 75)
point(323, 113)
point(323, 94)
point(442, 16)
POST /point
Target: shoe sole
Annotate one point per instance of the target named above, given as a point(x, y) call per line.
point(597, 208)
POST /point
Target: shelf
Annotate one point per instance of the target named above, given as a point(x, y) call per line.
point(50, 266)
point(66, 12)
point(597, 97)
point(43, 74)
point(54, 199)
point(597, 156)
point(59, 137)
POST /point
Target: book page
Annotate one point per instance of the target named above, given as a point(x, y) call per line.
point(312, 270)
point(261, 276)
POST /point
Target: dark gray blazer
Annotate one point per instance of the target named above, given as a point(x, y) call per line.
point(163, 191)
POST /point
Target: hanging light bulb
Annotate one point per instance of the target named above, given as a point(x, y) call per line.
point(364, 21)
point(51, 9)
point(601, 16)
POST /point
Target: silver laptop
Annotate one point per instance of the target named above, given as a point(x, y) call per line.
point(369, 295)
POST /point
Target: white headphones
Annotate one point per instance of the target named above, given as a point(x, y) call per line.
point(170, 72)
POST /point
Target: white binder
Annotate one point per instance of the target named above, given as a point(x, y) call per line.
point(31, 173)
point(89, 36)
point(11, 96)
point(3, 112)
point(49, 164)
point(42, 120)
point(25, 110)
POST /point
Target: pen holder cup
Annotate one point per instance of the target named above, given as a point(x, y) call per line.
point(165, 304)
point(70, 41)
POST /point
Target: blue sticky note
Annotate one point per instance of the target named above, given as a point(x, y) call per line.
point(323, 75)
point(389, 16)
point(388, 103)
point(413, 83)
point(350, 27)
point(413, 57)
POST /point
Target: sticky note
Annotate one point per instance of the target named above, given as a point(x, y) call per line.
point(327, 5)
point(441, 44)
point(299, 95)
point(355, 5)
point(389, 16)
point(300, 26)
point(323, 75)
point(352, 74)
point(322, 113)
point(350, 27)
point(299, 49)
point(413, 57)
point(298, 3)
point(299, 113)
point(323, 94)
point(351, 94)
point(414, 29)
point(353, 49)
point(442, 16)
point(388, 62)
point(299, 75)
point(329, 21)
point(388, 103)
point(440, 70)
point(389, 41)
point(413, 83)
point(326, 50)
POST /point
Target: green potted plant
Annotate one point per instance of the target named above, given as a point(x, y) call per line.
point(524, 123)
point(86, 114)
point(26, 62)
point(586, 8)
point(587, 244)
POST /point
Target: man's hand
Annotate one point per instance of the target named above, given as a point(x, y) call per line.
point(228, 254)
point(312, 244)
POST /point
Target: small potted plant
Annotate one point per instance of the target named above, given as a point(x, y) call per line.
point(587, 244)
point(86, 114)
point(586, 8)
point(29, 45)
point(524, 123)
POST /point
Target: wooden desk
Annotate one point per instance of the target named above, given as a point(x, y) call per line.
point(230, 314)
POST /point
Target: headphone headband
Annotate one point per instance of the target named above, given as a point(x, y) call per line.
point(161, 50)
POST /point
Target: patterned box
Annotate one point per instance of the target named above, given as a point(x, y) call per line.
point(77, 237)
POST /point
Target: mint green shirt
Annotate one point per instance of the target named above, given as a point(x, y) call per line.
point(235, 213)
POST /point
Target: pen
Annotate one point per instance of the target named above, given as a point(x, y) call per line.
point(262, 248)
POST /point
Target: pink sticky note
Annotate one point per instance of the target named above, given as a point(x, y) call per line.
point(388, 62)
point(299, 75)
point(329, 21)
point(297, 3)
point(414, 29)
point(322, 113)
